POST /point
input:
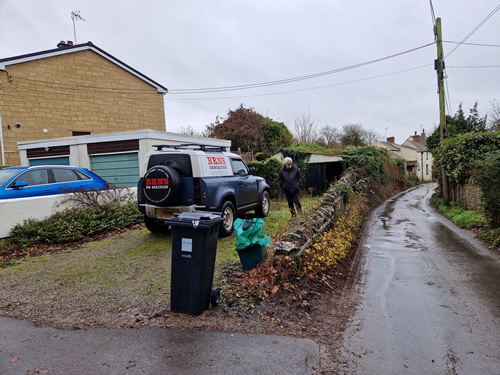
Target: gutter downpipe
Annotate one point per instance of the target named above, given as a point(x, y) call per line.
point(1, 140)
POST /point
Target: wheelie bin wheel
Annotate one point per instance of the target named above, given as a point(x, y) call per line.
point(215, 298)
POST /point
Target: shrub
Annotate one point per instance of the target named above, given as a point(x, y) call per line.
point(269, 169)
point(487, 176)
point(73, 225)
point(97, 198)
point(457, 155)
point(491, 236)
point(336, 244)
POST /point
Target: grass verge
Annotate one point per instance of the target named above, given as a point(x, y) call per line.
point(468, 219)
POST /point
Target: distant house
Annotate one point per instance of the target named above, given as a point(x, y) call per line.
point(73, 90)
point(414, 152)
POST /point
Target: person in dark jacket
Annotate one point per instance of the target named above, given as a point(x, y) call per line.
point(290, 180)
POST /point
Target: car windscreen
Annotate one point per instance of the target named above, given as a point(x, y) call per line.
point(7, 174)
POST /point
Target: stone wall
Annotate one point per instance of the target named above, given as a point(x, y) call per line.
point(297, 241)
point(468, 195)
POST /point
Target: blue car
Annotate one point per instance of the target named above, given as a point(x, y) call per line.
point(21, 182)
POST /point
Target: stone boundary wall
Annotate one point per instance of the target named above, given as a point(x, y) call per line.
point(296, 242)
point(468, 195)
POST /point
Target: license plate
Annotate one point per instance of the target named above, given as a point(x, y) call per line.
point(166, 212)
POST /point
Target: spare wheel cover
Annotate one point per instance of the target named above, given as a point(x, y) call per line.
point(160, 183)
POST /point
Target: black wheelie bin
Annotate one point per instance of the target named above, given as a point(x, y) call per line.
point(194, 247)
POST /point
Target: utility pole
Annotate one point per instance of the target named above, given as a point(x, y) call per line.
point(439, 67)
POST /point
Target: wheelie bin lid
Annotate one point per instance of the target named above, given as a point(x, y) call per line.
point(195, 219)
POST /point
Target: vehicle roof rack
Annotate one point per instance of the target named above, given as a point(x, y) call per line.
point(192, 146)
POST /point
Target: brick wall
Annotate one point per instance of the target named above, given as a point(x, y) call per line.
point(79, 91)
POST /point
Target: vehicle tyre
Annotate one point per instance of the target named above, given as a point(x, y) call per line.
point(155, 226)
point(215, 297)
point(161, 185)
point(264, 206)
point(228, 214)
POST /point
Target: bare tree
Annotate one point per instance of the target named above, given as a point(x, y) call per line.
point(494, 114)
point(371, 136)
point(330, 135)
point(305, 129)
point(188, 130)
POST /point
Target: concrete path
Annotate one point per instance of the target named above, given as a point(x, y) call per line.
point(27, 349)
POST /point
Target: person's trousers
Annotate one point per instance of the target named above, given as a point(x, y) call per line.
point(293, 199)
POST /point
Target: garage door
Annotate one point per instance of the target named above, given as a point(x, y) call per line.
point(121, 170)
point(63, 160)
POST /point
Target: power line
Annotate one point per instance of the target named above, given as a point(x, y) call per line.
point(432, 13)
point(473, 67)
point(77, 87)
point(472, 44)
point(59, 86)
point(299, 90)
point(447, 97)
point(476, 28)
point(289, 80)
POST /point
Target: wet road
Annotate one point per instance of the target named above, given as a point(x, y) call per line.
point(429, 296)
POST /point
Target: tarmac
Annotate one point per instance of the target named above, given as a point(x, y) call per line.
point(27, 350)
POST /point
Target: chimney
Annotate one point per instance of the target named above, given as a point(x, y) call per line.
point(63, 44)
point(416, 138)
point(423, 134)
point(391, 140)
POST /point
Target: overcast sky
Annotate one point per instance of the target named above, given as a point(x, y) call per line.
point(192, 44)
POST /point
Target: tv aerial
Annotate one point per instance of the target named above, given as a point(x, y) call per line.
point(75, 16)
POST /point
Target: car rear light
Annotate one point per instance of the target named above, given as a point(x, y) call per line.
point(197, 194)
point(197, 191)
point(107, 185)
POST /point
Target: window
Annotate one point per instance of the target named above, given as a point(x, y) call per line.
point(427, 169)
point(239, 168)
point(77, 133)
point(66, 175)
point(35, 177)
point(426, 156)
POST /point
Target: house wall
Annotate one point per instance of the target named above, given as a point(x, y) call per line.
point(80, 91)
point(424, 161)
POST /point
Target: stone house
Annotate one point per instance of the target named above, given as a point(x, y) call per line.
point(73, 90)
point(414, 152)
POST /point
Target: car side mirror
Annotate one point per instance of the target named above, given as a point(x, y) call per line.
point(251, 170)
point(20, 184)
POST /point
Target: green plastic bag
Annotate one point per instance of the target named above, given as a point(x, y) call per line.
point(250, 232)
